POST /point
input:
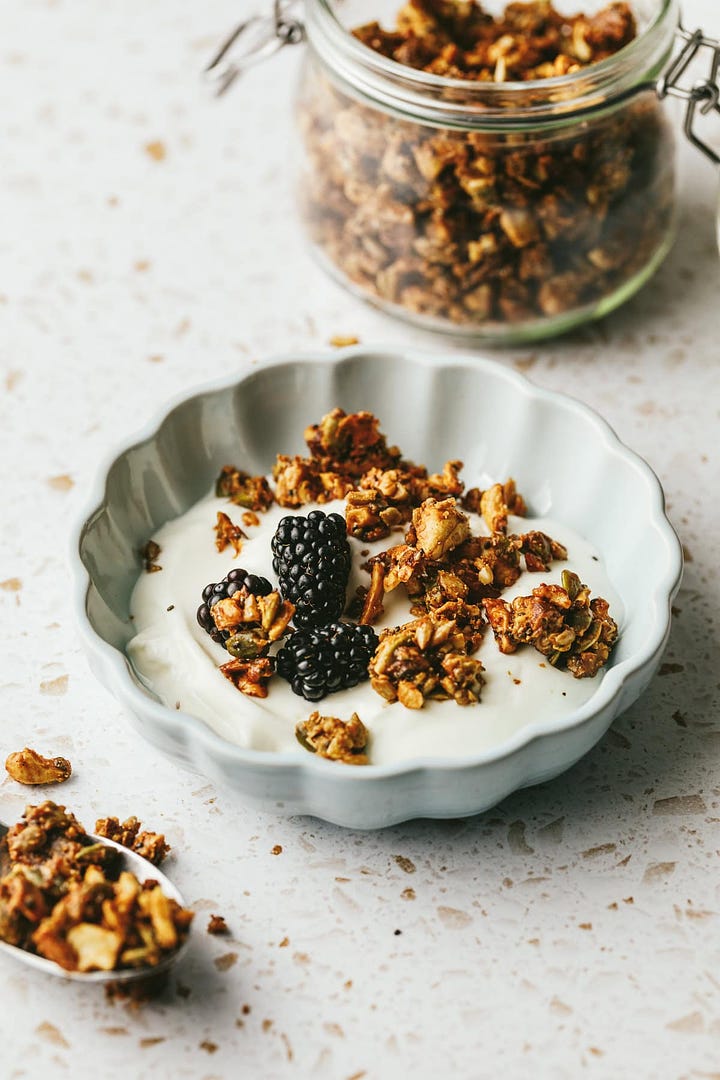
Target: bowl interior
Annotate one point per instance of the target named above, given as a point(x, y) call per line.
point(565, 460)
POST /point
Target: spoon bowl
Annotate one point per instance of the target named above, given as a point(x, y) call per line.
point(142, 869)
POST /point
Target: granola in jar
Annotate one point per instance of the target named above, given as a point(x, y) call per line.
point(469, 193)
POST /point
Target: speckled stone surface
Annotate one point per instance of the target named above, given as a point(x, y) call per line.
point(148, 242)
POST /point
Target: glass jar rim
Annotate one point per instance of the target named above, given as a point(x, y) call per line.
point(444, 101)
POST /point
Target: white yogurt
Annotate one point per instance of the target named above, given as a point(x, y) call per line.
point(179, 662)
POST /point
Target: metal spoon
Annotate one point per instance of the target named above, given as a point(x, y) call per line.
point(142, 869)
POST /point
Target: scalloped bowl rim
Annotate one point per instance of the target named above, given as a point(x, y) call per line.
point(130, 694)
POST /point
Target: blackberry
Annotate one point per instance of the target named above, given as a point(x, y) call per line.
point(311, 557)
point(233, 582)
point(319, 661)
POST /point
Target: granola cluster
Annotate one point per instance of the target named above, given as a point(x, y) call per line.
point(480, 226)
point(65, 897)
point(254, 623)
point(448, 575)
point(426, 658)
point(528, 41)
point(560, 621)
point(333, 738)
point(342, 448)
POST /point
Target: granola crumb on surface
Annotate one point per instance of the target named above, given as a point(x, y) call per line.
point(217, 925)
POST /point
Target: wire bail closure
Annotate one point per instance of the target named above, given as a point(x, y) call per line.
point(704, 93)
point(254, 40)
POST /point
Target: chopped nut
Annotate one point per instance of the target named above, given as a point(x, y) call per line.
point(28, 767)
point(439, 527)
point(252, 492)
point(493, 509)
point(228, 534)
point(373, 604)
point(149, 556)
point(560, 621)
point(338, 740)
point(250, 519)
point(96, 948)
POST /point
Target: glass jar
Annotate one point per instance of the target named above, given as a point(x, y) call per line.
point(505, 211)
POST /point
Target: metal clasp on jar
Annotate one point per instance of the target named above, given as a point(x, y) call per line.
point(704, 93)
point(254, 40)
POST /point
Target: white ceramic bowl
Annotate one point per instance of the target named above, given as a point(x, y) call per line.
point(569, 465)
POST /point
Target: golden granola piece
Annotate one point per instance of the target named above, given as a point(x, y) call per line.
point(495, 503)
point(560, 621)
point(251, 492)
point(96, 949)
point(300, 480)
point(438, 485)
point(494, 509)
point(151, 845)
point(333, 738)
point(28, 767)
point(439, 527)
point(250, 676)
point(149, 555)
point(250, 519)
point(403, 564)
point(228, 534)
point(426, 658)
point(350, 444)
point(158, 907)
